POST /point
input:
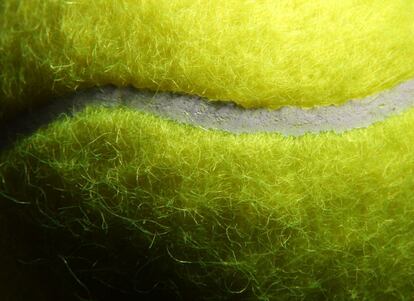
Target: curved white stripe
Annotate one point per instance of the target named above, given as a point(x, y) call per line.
point(290, 121)
point(226, 116)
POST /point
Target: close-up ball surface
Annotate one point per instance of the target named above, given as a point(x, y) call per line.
point(206, 150)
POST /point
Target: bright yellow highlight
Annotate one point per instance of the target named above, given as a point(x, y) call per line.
point(256, 53)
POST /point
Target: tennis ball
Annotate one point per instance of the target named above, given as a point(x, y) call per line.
point(124, 204)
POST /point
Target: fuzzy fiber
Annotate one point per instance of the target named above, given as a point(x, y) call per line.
point(147, 205)
point(120, 205)
point(256, 53)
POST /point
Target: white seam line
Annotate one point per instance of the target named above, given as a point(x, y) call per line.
point(220, 115)
point(289, 120)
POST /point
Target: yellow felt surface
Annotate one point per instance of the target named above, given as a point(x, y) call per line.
point(256, 53)
point(320, 217)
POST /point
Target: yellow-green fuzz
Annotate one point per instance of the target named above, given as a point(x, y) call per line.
point(116, 204)
point(273, 218)
point(255, 53)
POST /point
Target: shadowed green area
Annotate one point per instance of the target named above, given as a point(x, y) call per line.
point(128, 200)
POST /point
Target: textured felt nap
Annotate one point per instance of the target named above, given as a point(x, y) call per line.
point(256, 53)
point(120, 202)
point(142, 203)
